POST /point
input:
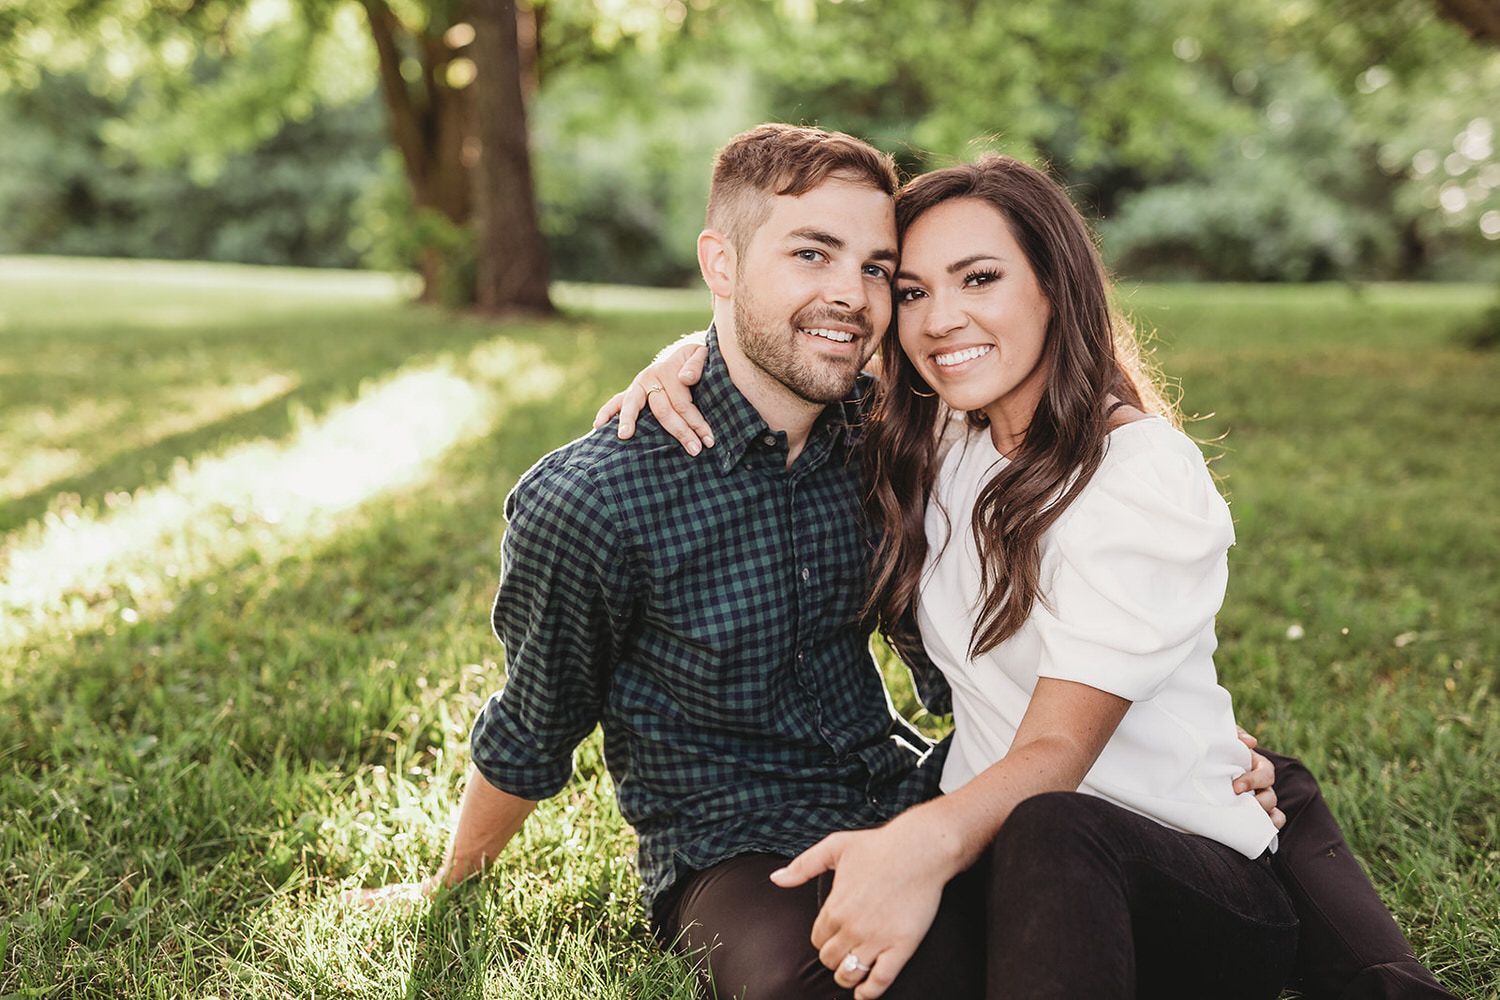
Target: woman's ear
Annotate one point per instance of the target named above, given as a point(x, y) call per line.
point(717, 261)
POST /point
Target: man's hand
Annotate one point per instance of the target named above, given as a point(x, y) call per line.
point(1260, 779)
point(487, 819)
point(400, 894)
point(664, 385)
point(887, 885)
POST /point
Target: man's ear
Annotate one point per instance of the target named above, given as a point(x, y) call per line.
point(717, 261)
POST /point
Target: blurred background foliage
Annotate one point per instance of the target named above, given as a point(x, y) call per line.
point(1265, 140)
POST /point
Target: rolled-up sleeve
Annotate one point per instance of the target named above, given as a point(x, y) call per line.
point(563, 610)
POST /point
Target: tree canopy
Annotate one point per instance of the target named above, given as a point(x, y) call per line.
point(1259, 138)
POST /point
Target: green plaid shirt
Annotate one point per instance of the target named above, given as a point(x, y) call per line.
point(703, 610)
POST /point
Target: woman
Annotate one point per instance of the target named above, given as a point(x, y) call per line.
point(1061, 564)
point(1064, 562)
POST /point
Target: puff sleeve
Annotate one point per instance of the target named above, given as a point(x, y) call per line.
point(1137, 573)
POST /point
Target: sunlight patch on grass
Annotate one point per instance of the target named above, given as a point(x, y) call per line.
point(191, 408)
point(315, 282)
point(47, 426)
point(51, 293)
point(80, 567)
point(629, 298)
point(48, 440)
point(36, 466)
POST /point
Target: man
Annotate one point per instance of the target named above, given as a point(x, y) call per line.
point(704, 610)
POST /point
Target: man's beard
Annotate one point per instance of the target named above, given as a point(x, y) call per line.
point(773, 348)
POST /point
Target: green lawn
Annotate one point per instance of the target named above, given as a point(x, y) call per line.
point(249, 523)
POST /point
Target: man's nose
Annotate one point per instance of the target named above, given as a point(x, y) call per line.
point(846, 288)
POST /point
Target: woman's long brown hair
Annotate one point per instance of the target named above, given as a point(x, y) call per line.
point(1091, 354)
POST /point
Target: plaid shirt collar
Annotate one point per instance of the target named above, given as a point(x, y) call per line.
point(737, 424)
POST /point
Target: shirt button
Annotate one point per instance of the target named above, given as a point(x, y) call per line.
point(806, 573)
point(769, 440)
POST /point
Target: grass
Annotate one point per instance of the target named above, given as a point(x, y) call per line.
point(248, 532)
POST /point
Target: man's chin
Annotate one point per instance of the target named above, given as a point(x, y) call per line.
point(830, 385)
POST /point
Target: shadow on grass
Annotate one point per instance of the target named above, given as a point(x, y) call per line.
point(325, 359)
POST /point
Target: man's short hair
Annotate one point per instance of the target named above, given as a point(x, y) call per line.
point(774, 159)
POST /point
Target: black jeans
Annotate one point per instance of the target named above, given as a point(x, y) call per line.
point(1076, 898)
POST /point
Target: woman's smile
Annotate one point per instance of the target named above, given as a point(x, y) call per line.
point(954, 359)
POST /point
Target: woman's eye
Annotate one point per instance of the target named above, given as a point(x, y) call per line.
point(908, 294)
point(981, 278)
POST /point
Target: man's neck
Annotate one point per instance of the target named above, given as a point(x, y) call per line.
point(781, 409)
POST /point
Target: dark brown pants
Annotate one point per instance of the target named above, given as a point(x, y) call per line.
point(754, 939)
point(1126, 877)
point(1076, 898)
point(1350, 947)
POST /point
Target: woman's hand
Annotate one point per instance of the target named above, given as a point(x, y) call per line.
point(887, 885)
point(667, 379)
point(1260, 779)
point(888, 882)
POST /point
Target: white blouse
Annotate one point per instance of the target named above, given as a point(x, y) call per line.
point(1132, 575)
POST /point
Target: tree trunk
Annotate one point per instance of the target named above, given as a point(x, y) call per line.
point(1480, 17)
point(512, 253)
point(429, 122)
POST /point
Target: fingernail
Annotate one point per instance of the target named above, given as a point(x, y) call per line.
point(708, 440)
point(693, 448)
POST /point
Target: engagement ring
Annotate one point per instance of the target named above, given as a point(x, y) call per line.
point(853, 964)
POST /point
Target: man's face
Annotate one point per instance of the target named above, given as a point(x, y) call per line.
point(813, 287)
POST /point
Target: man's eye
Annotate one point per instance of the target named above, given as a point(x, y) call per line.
point(811, 256)
point(877, 272)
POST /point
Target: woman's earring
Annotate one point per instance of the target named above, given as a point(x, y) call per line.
point(924, 395)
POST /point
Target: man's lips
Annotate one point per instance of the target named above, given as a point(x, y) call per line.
point(833, 334)
point(835, 328)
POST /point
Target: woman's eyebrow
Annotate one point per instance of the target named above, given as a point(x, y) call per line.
point(956, 266)
point(959, 265)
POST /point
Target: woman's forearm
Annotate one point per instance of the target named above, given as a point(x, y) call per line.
point(1065, 728)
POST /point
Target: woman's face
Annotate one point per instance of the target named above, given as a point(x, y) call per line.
point(971, 316)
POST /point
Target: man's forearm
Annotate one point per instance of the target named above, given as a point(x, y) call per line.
point(487, 819)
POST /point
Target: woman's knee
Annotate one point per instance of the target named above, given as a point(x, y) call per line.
point(1060, 814)
point(1056, 828)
